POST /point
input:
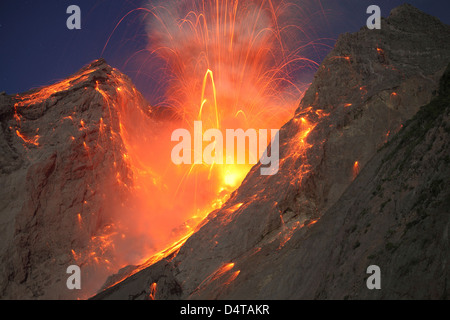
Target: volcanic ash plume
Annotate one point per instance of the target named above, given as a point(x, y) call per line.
point(231, 57)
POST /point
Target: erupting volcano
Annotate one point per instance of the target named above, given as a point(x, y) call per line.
point(230, 65)
point(90, 179)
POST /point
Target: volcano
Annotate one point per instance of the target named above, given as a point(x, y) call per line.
point(361, 181)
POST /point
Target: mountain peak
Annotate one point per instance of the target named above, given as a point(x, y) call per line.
point(405, 9)
point(96, 65)
point(61, 146)
point(409, 18)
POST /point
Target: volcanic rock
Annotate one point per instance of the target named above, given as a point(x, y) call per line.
point(394, 215)
point(60, 155)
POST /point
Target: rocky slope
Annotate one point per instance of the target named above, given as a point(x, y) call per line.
point(299, 233)
point(394, 215)
point(59, 158)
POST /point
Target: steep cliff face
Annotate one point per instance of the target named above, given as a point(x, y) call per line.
point(59, 159)
point(371, 83)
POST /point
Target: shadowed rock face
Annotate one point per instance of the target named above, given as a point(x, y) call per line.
point(394, 215)
point(366, 89)
point(309, 231)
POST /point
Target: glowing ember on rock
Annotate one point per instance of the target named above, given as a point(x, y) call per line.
point(43, 94)
point(233, 277)
point(33, 141)
point(220, 273)
point(152, 291)
point(355, 169)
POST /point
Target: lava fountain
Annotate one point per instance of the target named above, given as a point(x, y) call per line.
point(232, 64)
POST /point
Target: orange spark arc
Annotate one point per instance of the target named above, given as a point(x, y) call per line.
point(33, 141)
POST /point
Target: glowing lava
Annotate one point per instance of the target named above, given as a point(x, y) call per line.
point(231, 65)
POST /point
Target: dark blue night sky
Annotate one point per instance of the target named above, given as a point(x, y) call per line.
point(37, 49)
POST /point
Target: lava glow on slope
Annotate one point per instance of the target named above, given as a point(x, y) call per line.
point(231, 65)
